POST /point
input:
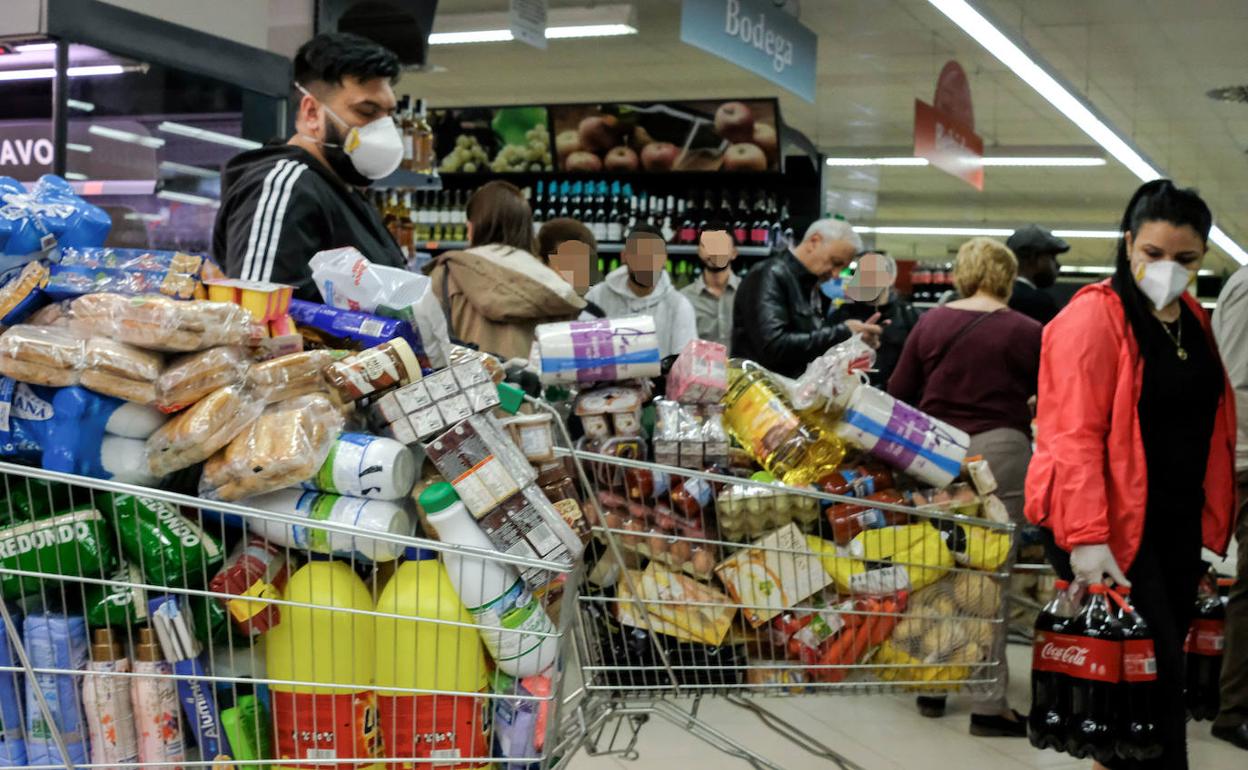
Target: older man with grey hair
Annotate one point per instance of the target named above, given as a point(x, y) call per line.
point(777, 319)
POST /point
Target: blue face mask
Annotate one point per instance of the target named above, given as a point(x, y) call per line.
point(833, 288)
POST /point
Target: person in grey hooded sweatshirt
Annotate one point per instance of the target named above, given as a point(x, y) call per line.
point(642, 287)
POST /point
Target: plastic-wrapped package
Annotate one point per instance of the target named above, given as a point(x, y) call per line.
point(902, 437)
point(347, 279)
point(831, 379)
point(604, 350)
point(22, 292)
point(197, 433)
point(66, 281)
point(49, 214)
point(700, 374)
point(338, 328)
point(41, 355)
point(131, 259)
point(191, 377)
point(296, 374)
point(120, 370)
point(286, 446)
point(160, 323)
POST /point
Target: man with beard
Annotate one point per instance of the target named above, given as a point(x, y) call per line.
point(1037, 250)
point(285, 201)
point(713, 292)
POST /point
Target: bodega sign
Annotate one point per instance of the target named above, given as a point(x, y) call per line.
point(756, 35)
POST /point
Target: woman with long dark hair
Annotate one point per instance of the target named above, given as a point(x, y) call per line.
point(1135, 432)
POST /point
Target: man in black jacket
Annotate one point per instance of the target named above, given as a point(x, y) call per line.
point(282, 203)
point(1037, 250)
point(777, 318)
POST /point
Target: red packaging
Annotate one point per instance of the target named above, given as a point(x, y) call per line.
point(256, 570)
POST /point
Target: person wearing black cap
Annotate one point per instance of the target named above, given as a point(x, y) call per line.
point(1037, 250)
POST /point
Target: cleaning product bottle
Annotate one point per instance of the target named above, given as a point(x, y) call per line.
point(428, 654)
point(55, 641)
point(361, 465)
point(794, 449)
point(318, 642)
point(155, 703)
point(106, 699)
point(373, 516)
point(514, 626)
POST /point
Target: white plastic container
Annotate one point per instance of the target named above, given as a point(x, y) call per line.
point(155, 703)
point(106, 702)
point(493, 592)
point(377, 516)
point(360, 465)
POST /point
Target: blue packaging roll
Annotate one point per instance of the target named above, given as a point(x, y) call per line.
point(364, 328)
point(12, 727)
point(56, 641)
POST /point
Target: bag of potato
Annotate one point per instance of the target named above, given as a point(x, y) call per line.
point(886, 560)
point(937, 640)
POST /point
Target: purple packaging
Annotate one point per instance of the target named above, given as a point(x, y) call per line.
point(365, 328)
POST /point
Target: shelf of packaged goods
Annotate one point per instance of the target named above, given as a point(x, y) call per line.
point(408, 180)
point(673, 250)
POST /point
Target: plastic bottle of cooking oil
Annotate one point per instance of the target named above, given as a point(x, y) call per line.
point(793, 448)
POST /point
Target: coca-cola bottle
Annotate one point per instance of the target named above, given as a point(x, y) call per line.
point(1092, 659)
point(1206, 639)
point(1138, 736)
point(1050, 688)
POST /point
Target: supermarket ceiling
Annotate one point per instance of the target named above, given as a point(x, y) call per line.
point(1145, 64)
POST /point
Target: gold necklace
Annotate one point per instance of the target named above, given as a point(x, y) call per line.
point(1179, 350)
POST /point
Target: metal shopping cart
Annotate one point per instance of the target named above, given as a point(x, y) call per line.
point(712, 586)
point(259, 638)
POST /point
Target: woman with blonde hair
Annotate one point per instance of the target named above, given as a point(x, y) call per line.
point(974, 363)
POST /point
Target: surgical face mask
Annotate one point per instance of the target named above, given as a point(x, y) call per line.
point(1163, 281)
point(364, 153)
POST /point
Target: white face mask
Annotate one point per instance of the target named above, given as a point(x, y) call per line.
point(1164, 281)
point(374, 149)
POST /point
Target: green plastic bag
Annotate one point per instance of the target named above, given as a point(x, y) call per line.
point(170, 549)
point(117, 604)
point(75, 543)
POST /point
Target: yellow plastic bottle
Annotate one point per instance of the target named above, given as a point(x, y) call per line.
point(325, 646)
point(794, 449)
point(430, 656)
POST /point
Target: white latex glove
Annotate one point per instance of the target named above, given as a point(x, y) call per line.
point(1091, 563)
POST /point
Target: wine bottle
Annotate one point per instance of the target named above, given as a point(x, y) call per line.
point(600, 217)
point(617, 217)
point(687, 233)
point(538, 207)
point(760, 228)
point(565, 190)
point(668, 227)
point(741, 223)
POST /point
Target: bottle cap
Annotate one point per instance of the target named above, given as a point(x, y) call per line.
point(414, 553)
point(509, 397)
point(105, 646)
point(147, 647)
point(438, 497)
point(407, 357)
point(1096, 588)
point(762, 476)
point(1061, 585)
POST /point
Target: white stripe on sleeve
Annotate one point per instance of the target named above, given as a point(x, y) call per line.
point(265, 268)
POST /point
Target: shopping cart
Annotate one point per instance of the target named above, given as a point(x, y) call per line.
point(94, 571)
point(716, 589)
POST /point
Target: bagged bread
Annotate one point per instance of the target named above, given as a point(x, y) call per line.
point(285, 446)
point(160, 323)
point(122, 360)
point(296, 374)
point(136, 391)
point(21, 295)
point(191, 377)
point(195, 434)
point(37, 374)
point(42, 345)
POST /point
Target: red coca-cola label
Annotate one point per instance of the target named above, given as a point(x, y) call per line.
point(1206, 637)
point(434, 726)
point(1079, 656)
point(309, 726)
point(1139, 661)
point(740, 235)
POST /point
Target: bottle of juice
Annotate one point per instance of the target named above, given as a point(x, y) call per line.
point(325, 646)
point(795, 450)
point(427, 653)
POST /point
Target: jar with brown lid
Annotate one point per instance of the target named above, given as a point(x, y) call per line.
point(374, 370)
point(559, 488)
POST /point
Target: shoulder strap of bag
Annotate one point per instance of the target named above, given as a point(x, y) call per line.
point(965, 330)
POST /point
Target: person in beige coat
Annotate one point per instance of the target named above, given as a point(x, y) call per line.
point(496, 292)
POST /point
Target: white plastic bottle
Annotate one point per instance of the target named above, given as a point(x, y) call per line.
point(492, 591)
point(106, 701)
point(156, 705)
point(361, 465)
point(377, 516)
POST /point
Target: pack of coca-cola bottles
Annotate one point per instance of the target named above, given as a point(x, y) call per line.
point(1206, 639)
point(1093, 677)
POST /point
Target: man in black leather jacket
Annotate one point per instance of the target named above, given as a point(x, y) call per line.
point(777, 318)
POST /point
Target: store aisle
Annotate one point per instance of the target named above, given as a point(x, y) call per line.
point(877, 732)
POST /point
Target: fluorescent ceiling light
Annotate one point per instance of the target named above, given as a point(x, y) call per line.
point(185, 170)
point(90, 70)
point(479, 36)
point(74, 176)
point(610, 20)
point(1004, 161)
point(83, 148)
point(33, 47)
point(195, 200)
point(154, 142)
point(552, 33)
point(81, 106)
point(971, 232)
point(204, 135)
point(1008, 53)
point(139, 216)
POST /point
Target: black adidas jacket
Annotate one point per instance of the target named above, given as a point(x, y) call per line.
point(279, 206)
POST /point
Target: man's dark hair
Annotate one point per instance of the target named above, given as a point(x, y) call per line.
point(331, 56)
point(560, 230)
point(716, 226)
point(645, 231)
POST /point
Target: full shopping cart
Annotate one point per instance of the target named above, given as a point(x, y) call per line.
point(735, 597)
point(354, 681)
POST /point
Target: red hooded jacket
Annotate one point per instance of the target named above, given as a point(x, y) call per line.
point(1088, 481)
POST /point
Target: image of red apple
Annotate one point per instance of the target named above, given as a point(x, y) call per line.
point(745, 156)
point(582, 161)
point(598, 133)
point(734, 121)
point(659, 156)
point(765, 138)
point(567, 142)
point(621, 159)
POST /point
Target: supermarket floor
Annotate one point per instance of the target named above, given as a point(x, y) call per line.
point(876, 732)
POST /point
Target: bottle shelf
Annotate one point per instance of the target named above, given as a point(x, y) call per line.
point(403, 179)
point(608, 248)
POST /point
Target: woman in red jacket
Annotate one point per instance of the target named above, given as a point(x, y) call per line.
point(1135, 431)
